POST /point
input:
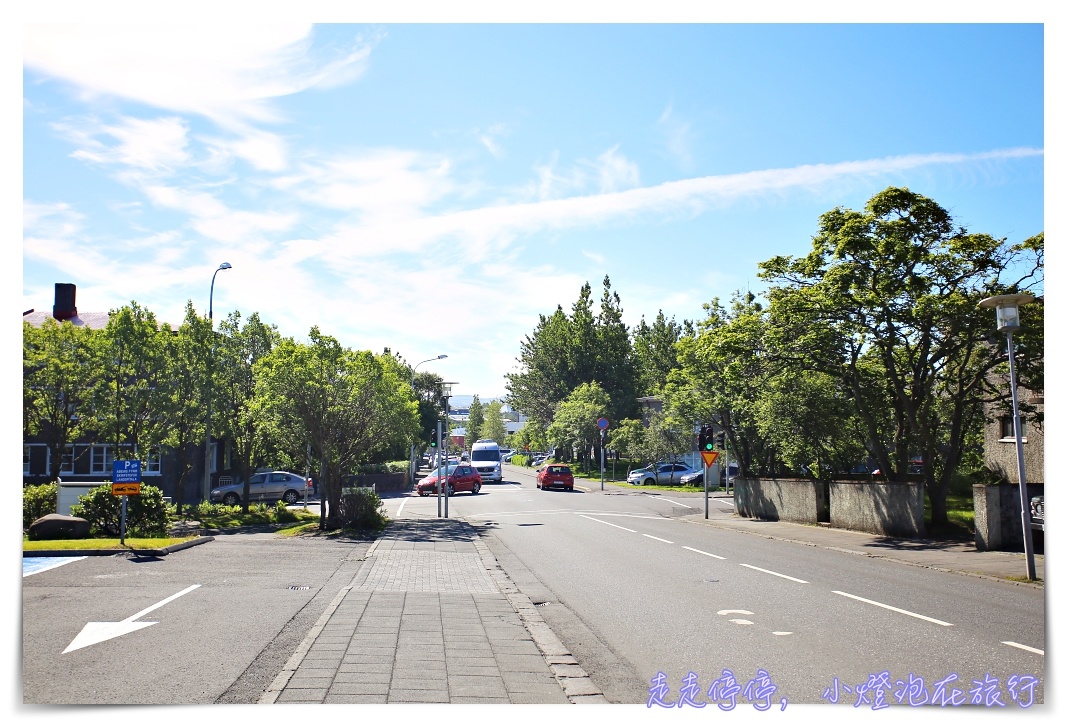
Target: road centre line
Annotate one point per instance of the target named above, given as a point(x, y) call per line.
point(1025, 647)
point(893, 609)
point(607, 523)
point(657, 538)
point(774, 573)
point(680, 505)
point(705, 553)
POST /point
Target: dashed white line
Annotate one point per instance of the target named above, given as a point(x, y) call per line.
point(668, 500)
point(775, 573)
point(705, 553)
point(657, 538)
point(606, 523)
point(894, 609)
point(1025, 647)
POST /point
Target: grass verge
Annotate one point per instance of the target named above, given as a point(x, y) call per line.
point(101, 543)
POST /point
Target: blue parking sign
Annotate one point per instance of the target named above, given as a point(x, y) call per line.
point(126, 471)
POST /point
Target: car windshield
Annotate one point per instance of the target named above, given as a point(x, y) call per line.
point(485, 456)
point(437, 471)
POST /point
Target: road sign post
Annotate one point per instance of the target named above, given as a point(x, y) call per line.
point(125, 480)
point(602, 425)
point(708, 457)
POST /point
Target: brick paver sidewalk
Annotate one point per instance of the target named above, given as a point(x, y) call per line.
point(431, 618)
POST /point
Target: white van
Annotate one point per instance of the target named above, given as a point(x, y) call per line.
point(486, 459)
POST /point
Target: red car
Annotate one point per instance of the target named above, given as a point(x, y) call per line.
point(460, 478)
point(556, 476)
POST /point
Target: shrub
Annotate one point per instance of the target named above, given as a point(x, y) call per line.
point(146, 514)
point(362, 510)
point(522, 461)
point(37, 501)
point(282, 514)
point(394, 466)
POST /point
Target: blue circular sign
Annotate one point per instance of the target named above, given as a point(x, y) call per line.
point(602, 423)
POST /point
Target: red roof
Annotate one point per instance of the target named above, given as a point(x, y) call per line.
point(91, 320)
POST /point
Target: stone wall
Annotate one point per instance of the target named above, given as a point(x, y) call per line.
point(383, 482)
point(998, 522)
point(890, 509)
point(785, 499)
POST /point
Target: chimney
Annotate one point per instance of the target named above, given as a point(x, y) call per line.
point(64, 308)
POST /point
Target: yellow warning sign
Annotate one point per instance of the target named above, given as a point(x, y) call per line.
point(709, 457)
point(126, 489)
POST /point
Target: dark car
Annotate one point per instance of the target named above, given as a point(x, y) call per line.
point(556, 476)
point(458, 478)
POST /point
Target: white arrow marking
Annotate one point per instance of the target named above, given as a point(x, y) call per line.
point(94, 632)
point(741, 621)
point(724, 612)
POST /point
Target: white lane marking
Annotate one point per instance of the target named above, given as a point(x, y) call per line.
point(1025, 647)
point(894, 609)
point(37, 564)
point(741, 621)
point(780, 634)
point(725, 612)
point(401, 508)
point(607, 523)
point(657, 538)
point(669, 501)
point(625, 515)
point(95, 632)
point(775, 573)
point(705, 553)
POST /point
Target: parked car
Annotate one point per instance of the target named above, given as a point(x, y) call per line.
point(272, 487)
point(458, 478)
point(556, 476)
point(661, 473)
point(695, 478)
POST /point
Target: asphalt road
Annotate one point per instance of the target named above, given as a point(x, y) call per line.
point(232, 620)
point(644, 592)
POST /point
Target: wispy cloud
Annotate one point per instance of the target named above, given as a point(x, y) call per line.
point(678, 137)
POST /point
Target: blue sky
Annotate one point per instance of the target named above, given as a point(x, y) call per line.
point(433, 188)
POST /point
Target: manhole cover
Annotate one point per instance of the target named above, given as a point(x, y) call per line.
point(299, 588)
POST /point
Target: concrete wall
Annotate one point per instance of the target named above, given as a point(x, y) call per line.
point(383, 482)
point(890, 509)
point(773, 499)
point(998, 525)
point(999, 453)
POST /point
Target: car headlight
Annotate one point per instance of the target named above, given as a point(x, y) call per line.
point(215, 493)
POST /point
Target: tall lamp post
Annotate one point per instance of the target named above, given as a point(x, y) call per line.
point(446, 389)
point(211, 367)
point(411, 454)
point(1008, 313)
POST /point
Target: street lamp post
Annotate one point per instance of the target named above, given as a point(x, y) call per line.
point(211, 366)
point(411, 453)
point(1008, 313)
point(446, 388)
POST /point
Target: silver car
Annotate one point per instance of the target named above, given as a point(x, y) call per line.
point(272, 487)
point(665, 474)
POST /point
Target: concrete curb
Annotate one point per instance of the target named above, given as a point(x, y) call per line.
point(578, 686)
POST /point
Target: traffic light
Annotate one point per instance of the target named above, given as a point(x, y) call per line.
point(706, 438)
point(720, 438)
point(433, 439)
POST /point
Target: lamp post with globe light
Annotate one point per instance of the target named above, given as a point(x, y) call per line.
point(1008, 317)
point(411, 454)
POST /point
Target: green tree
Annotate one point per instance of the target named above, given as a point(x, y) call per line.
point(575, 425)
point(615, 368)
point(344, 402)
point(59, 373)
point(475, 418)
point(493, 427)
point(531, 436)
point(628, 437)
point(240, 346)
point(894, 289)
point(654, 352)
point(130, 401)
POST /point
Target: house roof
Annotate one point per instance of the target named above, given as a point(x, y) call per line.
point(92, 320)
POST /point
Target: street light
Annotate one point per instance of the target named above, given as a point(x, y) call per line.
point(411, 454)
point(446, 389)
point(1008, 313)
point(211, 366)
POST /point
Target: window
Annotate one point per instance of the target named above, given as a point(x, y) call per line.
point(257, 479)
point(279, 478)
point(25, 459)
point(152, 460)
point(101, 459)
point(66, 465)
point(1007, 431)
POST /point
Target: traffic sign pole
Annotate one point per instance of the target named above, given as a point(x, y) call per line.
point(602, 425)
point(122, 528)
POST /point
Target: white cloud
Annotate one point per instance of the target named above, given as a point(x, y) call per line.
point(678, 137)
point(150, 145)
point(214, 219)
point(615, 171)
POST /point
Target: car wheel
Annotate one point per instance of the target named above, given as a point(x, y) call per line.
point(290, 497)
point(571, 487)
point(449, 491)
point(475, 488)
point(648, 481)
point(231, 499)
point(422, 494)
